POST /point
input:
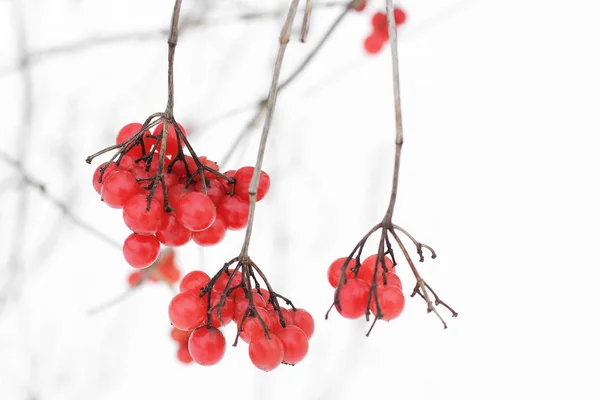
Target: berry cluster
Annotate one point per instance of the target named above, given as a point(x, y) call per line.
point(163, 269)
point(195, 201)
point(275, 334)
point(371, 282)
point(380, 34)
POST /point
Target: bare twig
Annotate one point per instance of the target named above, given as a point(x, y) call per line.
point(61, 205)
point(262, 104)
point(284, 39)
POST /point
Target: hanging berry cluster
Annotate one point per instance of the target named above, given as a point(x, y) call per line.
point(181, 199)
point(380, 35)
point(275, 334)
point(163, 269)
point(354, 295)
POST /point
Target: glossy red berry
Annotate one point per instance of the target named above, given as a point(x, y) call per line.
point(252, 327)
point(176, 192)
point(196, 211)
point(171, 233)
point(207, 346)
point(374, 43)
point(127, 132)
point(141, 251)
point(241, 305)
point(353, 299)
point(107, 172)
point(243, 177)
point(379, 22)
point(118, 188)
point(226, 312)
point(295, 344)
point(303, 320)
point(392, 280)
point(172, 147)
point(234, 212)
point(276, 320)
point(183, 354)
point(266, 354)
point(194, 281)
point(335, 270)
point(138, 219)
point(187, 311)
point(215, 190)
point(391, 302)
point(213, 234)
point(367, 268)
point(224, 278)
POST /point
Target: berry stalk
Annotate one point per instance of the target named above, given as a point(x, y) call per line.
point(284, 39)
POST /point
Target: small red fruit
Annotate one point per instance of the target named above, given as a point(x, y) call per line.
point(353, 299)
point(207, 346)
point(295, 344)
point(138, 219)
point(171, 233)
point(374, 43)
point(141, 251)
point(303, 320)
point(335, 270)
point(187, 311)
point(266, 354)
point(196, 211)
point(118, 188)
point(234, 212)
point(194, 281)
point(243, 177)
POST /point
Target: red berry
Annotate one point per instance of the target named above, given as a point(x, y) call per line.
point(222, 280)
point(241, 305)
point(213, 234)
point(176, 192)
point(229, 174)
point(172, 148)
point(399, 16)
point(379, 22)
point(335, 270)
point(392, 280)
point(214, 189)
point(243, 176)
point(287, 318)
point(210, 164)
point(359, 5)
point(183, 354)
point(127, 163)
point(252, 326)
point(207, 346)
point(353, 299)
point(118, 188)
point(295, 344)
point(107, 172)
point(226, 311)
point(374, 43)
point(194, 281)
point(266, 354)
point(180, 336)
point(391, 302)
point(135, 278)
point(196, 211)
point(138, 219)
point(171, 233)
point(141, 251)
point(303, 320)
point(367, 268)
point(234, 212)
point(127, 132)
point(187, 311)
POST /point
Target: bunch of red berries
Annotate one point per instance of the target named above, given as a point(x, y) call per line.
point(275, 334)
point(380, 34)
point(163, 269)
point(361, 286)
point(200, 205)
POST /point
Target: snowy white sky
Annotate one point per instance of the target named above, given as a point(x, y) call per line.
point(499, 175)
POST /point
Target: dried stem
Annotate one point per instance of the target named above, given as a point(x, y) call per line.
point(284, 39)
point(61, 205)
point(397, 106)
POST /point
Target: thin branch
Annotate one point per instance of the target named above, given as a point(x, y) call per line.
point(61, 205)
point(262, 104)
point(284, 39)
point(397, 106)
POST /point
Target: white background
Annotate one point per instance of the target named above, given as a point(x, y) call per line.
point(499, 174)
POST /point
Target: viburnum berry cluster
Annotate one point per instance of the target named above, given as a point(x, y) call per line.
point(163, 269)
point(179, 199)
point(276, 335)
point(354, 294)
point(379, 36)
